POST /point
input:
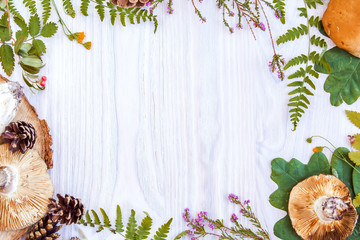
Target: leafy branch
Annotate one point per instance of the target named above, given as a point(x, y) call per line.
point(302, 78)
point(133, 231)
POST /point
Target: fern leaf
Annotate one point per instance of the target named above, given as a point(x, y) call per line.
point(96, 218)
point(68, 7)
point(13, 10)
point(296, 61)
point(131, 226)
point(144, 228)
point(354, 117)
point(314, 21)
point(46, 5)
point(105, 218)
point(31, 4)
point(318, 41)
point(100, 9)
point(118, 222)
point(162, 232)
point(84, 7)
point(313, 3)
point(298, 74)
point(293, 34)
point(113, 15)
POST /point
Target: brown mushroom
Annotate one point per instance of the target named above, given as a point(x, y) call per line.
point(25, 189)
point(341, 23)
point(320, 208)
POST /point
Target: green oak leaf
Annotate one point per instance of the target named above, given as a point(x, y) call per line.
point(343, 82)
point(286, 175)
point(7, 58)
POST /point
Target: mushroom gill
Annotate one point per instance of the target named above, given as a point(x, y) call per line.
point(320, 208)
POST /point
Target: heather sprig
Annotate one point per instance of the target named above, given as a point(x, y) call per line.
point(202, 225)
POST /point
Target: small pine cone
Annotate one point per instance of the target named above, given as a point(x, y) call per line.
point(67, 210)
point(20, 135)
point(129, 3)
point(45, 229)
point(75, 238)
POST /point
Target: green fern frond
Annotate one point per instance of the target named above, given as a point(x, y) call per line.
point(113, 15)
point(68, 7)
point(163, 231)
point(312, 3)
point(118, 222)
point(314, 21)
point(131, 226)
point(84, 7)
point(318, 41)
point(13, 9)
point(100, 9)
point(31, 5)
point(296, 61)
point(46, 5)
point(293, 34)
point(144, 228)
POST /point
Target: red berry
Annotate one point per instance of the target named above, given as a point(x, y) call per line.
point(43, 78)
point(42, 83)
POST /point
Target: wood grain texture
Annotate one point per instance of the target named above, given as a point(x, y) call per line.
point(180, 118)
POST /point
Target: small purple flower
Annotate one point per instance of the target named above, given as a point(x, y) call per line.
point(232, 198)
point(211, 225)
point(242, 211)
point(190, 233)
point(234, 218)
point(278, 14)
point(231, 14)
point(238, 26)
point(148, 3)
point(262, 26)
point(246, 202)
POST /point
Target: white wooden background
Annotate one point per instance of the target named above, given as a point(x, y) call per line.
point(181, 118)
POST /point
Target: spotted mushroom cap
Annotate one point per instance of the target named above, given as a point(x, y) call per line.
point(320, 208)
point(25, 189)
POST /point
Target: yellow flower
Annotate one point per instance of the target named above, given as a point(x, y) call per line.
point(81, 37)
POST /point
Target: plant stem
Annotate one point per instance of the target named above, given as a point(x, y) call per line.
point(325, 140)
point(9, 26)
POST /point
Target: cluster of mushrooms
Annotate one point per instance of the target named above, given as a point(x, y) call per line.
point(25, 185)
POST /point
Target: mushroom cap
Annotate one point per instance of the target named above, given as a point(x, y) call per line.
point(26, 200)
point(341, 22)
point(304, 210)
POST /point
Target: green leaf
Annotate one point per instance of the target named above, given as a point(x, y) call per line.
point(343, 82)
point(24, 49)
point(18, 43)
point(4, 30)
point(163, 231)
point(144, 228)
point(181, 235)
point(96, 218)
point(49, 29)
point(287, 174)
point(88, 217)
point(38, 48)
point(355, 157)
point(69, 9)
point(84, 7)
point(284, 230)
point(356, 201)
point(344, 169)
point(356, 180)
point(31, 4)
point(46, 5)
point(34, 25)
point(356, 143)
point(118, 222)
point(354, 117)
point(106, 218)
point(7, 59)
point(33, 61)
point(131, 226)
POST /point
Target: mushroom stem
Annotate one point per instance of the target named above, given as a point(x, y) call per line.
point(8, 180)
point(330, 209)
point(4, 178)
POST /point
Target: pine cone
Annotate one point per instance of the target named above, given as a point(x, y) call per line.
point(129, 3)
point(67, 210)
point(75, 238)
point(45, 229)
point(20, 135)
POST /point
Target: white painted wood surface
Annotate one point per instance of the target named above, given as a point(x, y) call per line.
point(180, 118)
